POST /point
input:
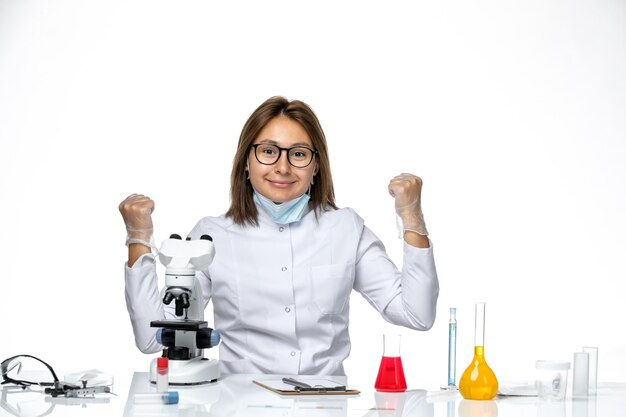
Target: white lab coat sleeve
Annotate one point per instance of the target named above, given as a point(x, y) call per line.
point(144, 302)
point(407, 298)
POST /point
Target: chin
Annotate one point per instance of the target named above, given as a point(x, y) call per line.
point(278, 197)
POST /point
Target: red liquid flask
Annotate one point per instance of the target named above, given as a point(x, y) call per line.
point(391, 374)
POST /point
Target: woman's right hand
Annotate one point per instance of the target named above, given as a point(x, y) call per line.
point(137, 211)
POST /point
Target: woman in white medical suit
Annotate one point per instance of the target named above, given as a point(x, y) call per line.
point(286, 258)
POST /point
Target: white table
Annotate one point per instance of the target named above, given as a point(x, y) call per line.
point(236, 395)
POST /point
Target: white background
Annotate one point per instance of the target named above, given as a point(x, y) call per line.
point(513, 113)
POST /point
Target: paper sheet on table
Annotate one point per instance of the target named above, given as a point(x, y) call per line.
point(278, 386)
point(518, 390)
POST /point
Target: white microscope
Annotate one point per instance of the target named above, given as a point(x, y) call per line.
point(186, 337)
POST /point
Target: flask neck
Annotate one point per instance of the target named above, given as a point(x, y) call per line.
point(479, 351)
point(391, 345)
point(479, 356)
point(479, 325)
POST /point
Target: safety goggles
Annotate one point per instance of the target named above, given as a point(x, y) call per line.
point(11, 369)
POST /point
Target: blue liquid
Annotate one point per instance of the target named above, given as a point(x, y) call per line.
point(452, 354)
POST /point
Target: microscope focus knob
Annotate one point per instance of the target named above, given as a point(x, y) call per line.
point(207, 338)
point(166, 337)
point(215, 338)
point(206, 237)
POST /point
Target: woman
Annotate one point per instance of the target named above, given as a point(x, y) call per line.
point(286, 258)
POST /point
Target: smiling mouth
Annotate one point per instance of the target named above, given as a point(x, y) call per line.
point(281, 184)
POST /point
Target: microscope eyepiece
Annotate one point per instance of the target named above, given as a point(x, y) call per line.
point(175, 236)
point(206, 237)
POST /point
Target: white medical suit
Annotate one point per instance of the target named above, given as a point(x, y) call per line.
point(281, 292)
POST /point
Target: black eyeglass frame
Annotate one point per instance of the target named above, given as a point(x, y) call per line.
point(4, 369)
point(280, 152)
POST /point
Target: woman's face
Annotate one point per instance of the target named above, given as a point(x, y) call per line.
point(281, 181)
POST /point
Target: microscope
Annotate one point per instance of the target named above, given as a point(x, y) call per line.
point(185, 337)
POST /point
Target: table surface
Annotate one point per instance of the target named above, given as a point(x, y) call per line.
point(237, 395)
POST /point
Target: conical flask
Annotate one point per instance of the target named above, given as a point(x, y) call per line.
point(391, 374)
point(478, 382)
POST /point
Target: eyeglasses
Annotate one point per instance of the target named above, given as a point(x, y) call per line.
point(11, 370)
point(297, 156)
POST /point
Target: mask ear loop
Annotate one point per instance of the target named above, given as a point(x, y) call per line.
point(4, 367)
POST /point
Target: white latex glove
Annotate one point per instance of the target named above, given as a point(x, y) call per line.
point(137, 211)
point(407, 190)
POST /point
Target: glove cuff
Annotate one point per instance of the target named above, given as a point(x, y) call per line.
point(150, 244)
point(141, 236)
point(411, 218)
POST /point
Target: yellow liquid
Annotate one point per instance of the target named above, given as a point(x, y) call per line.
point(478, 382)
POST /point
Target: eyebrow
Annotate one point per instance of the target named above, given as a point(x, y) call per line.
point(273, 142)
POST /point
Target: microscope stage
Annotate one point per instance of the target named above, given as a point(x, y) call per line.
point(189, 325)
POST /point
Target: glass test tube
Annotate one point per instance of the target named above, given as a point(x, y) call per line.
point(593, 368)
point(580, 383)
point(162, 377)
point(170, 397)
point(452, 349)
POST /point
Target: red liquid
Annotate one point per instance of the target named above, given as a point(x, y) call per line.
point(390, 375)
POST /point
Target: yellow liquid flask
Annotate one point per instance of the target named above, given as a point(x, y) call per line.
point(478, 382)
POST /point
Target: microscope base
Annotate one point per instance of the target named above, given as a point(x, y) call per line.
point(194, 371)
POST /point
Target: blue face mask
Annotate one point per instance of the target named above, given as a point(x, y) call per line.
point(284, 213)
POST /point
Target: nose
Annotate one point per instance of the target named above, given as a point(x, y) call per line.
point(282, 166)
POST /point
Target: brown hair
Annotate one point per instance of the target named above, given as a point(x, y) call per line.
point(242, 208)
